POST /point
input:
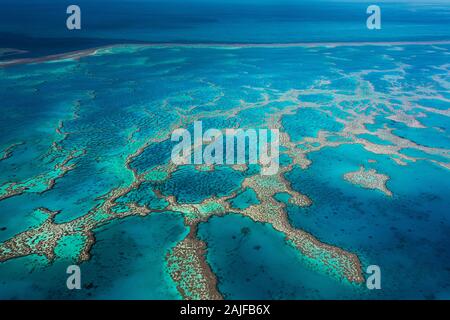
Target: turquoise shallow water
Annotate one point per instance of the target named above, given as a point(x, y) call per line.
point(405, 234)
point(313, 120)
point(253, 260)
point(80, 134)
point(138, 264)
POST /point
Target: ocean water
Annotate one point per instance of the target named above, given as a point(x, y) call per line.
point(139, 264)
point(85, 170)
point(39, 26)
point(404, 234)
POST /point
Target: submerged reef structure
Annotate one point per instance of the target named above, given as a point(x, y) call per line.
point(188, 268)
point(109, 158)
point(369, 179)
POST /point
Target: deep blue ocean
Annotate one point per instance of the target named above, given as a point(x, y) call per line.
point(39, 27)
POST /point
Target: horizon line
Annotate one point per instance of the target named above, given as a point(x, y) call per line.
point(77, 54)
